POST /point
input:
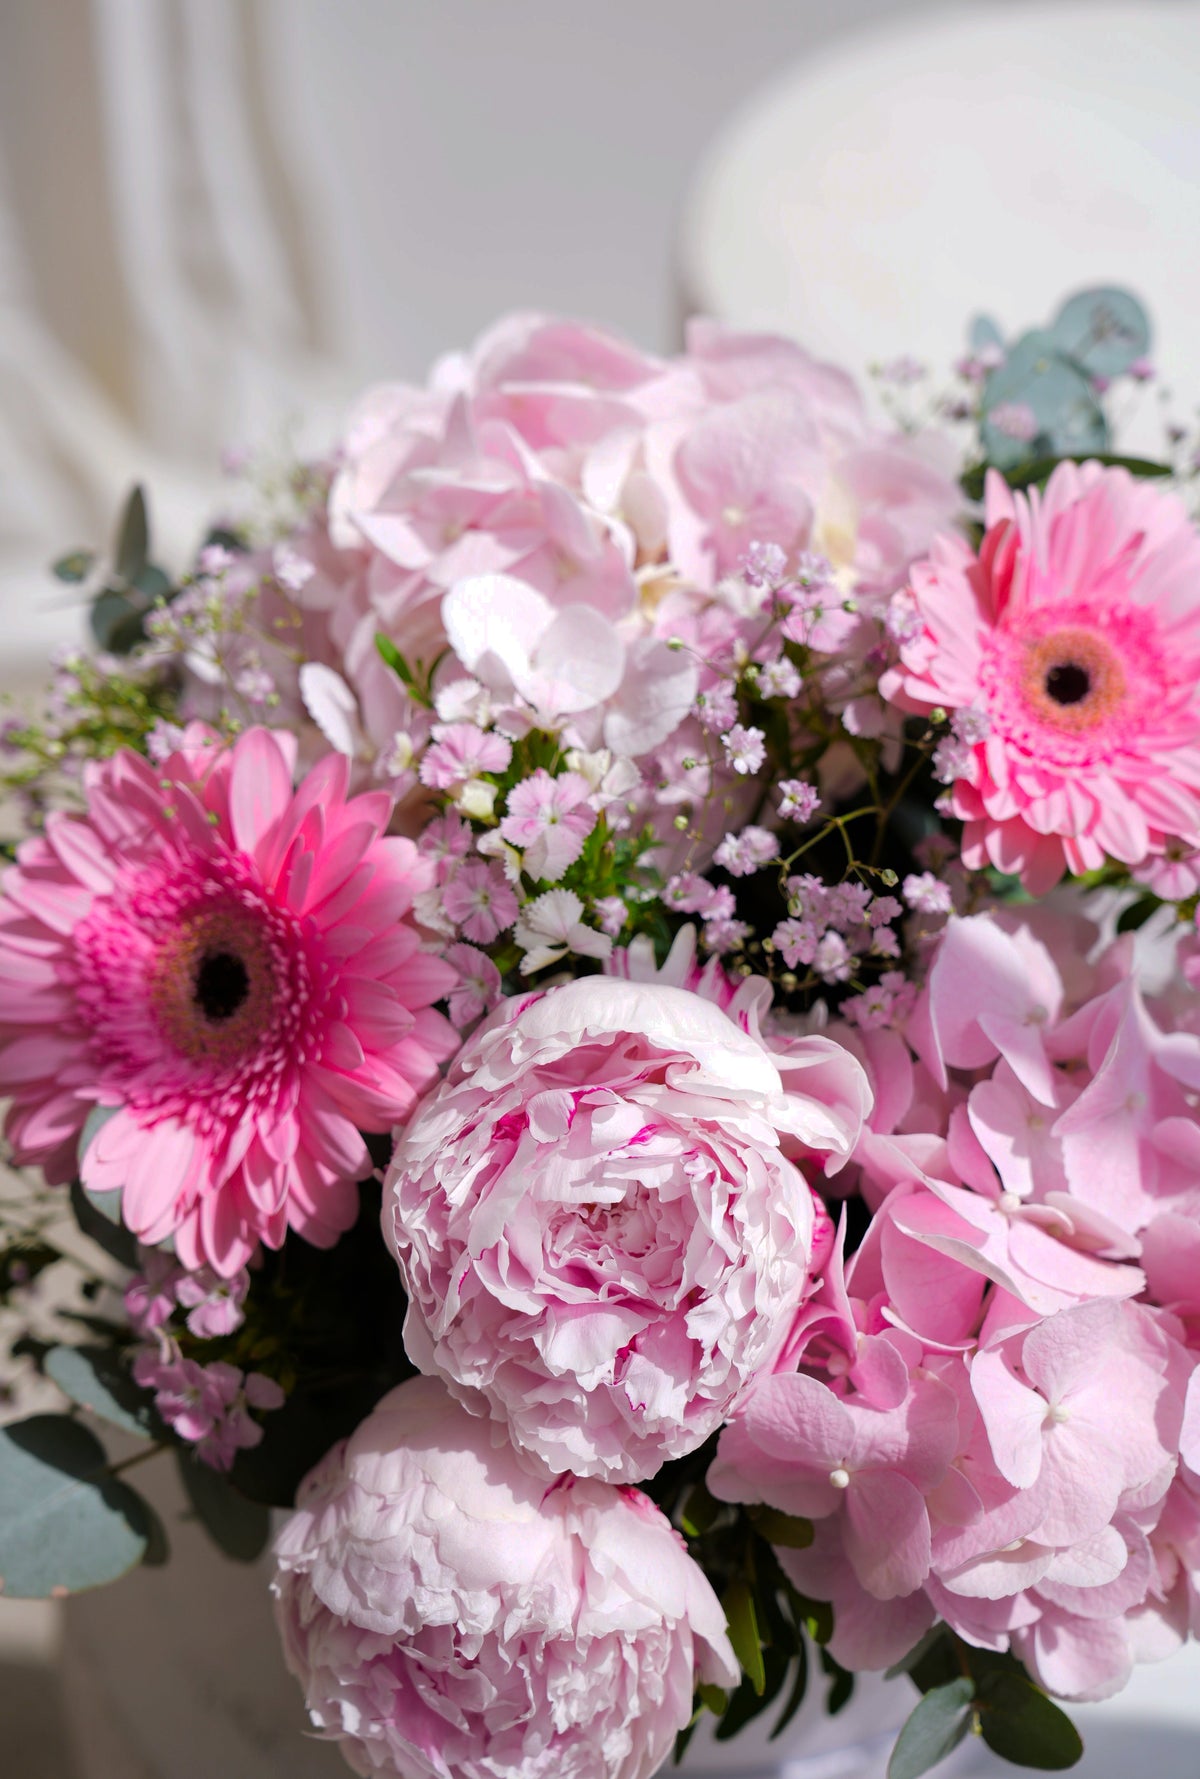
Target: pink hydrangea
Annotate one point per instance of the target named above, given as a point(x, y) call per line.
point(227, 966)
point(1075, 632)
point(601, 1231)
point(991, 1410)
point(518, 507)
point(447, 1613)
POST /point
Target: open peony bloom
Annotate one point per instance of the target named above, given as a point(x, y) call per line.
point(1068, 653)
point(451, 1617)
point(601, 1234)
point(228, 965)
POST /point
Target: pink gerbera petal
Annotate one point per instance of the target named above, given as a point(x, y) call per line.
point(1073, 641)
point(173, 966)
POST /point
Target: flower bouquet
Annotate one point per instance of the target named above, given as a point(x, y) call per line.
point(610, 983)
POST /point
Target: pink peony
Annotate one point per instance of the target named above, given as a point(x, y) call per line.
point(1069, 649)
point(601, 1233)
point(229, 966)
point(451, 1617)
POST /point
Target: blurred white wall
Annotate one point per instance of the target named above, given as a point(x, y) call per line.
point(214, 213)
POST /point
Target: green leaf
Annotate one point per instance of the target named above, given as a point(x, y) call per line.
point(683, 1738)
point(227, 539)
point(96, 1379)
point(236, 1525)
point(1020, 1724)
point(817, 1616)
point(1105, 330)
point(391, 657)
point(744, 1706)
point(796, 1696)
point(98, 1215)
point(699, 1511)
point(74, 567)
point(783, 1529)
point(841, 1690)
point(1137, 914)
point(65, 1525)
point(738, 1602)
point(133, 537)
point(713, 1698)
point(1037, 469)
point(934, 1729)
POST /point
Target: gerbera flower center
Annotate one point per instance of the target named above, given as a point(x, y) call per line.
point(213, 984)
point(222, 984)
point(1072, 679)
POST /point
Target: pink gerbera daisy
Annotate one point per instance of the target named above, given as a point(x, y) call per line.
point(230, 964)
point(1068, 652)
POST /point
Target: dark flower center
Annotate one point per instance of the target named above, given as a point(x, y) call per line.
point(1068, 683)
point(222, 985)
point(1073, 679)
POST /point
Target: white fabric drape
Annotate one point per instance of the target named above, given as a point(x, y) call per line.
point(154, 303)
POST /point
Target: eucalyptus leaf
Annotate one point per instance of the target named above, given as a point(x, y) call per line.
point(1058, 392)
point(152, 583)
point(133, 536)
point(74, 567)
point(115, 619)
point(1020, 1724)
point(96, 1379)
point(1105, 330)
point(238, 1526)
point(95, 1121)
point(934, 1729)
point(65, 1525)
point(983, 331)
point(98, 1216)
point(934, 1638)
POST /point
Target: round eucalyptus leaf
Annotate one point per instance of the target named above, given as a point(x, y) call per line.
point(114, 619)
point(96, 1379)
point(95, 1121)
point(1104, 330)
point(238, 1526)
point(1066, 419)
point(64, 1524)
point(935, 1728)
point(983, 331)
point(98, 1215)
